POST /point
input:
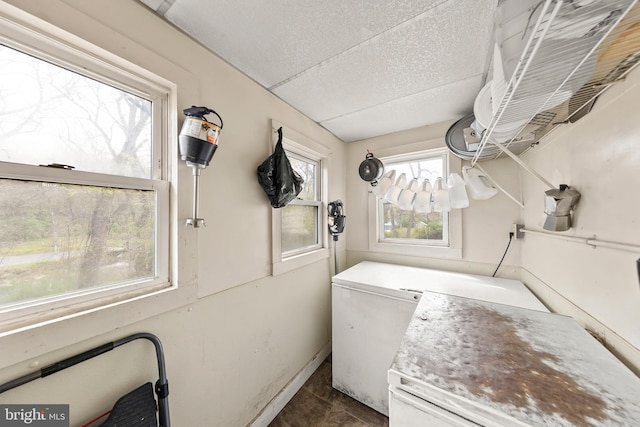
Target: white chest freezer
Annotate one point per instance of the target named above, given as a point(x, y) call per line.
point(372, 305)
point(464, 362)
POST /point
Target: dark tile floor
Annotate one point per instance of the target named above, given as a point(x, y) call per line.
point(317, 404)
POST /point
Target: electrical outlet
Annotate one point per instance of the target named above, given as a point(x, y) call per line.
point(516, 229)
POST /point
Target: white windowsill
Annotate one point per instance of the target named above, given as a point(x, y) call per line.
point(298, 261)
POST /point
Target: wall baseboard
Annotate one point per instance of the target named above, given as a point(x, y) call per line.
point(276, 405)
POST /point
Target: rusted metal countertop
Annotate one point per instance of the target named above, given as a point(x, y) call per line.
point(501, 365)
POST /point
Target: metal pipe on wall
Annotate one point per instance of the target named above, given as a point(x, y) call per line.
point(591, 241)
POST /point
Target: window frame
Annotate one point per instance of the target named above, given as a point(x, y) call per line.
point(47, 43)
point(297, 144)
point(450, 250)
point(406, 158)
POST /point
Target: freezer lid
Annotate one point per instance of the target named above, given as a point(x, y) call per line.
point(507, 366)
point(381, 276)
point(404, 294)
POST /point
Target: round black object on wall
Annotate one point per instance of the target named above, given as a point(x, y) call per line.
point(371, 169)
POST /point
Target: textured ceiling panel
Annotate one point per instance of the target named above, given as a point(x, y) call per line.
point(360, 68)
point(436, 105)
point(425, 53)
point(274, 40)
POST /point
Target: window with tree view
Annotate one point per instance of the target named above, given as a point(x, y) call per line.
point(300, 218)
point(80, 181)
point(425, 226)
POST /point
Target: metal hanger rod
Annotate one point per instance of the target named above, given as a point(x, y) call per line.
point(591, 241)
point(524, 165)
point(195, 222)
point(506, 193)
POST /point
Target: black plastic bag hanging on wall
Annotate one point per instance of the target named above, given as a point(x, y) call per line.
point(279, 181)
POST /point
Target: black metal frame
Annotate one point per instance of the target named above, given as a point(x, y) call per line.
point(161, 386)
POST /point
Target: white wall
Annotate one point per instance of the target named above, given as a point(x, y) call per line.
point(246, 334)
point(600, 157)
point(227, 355)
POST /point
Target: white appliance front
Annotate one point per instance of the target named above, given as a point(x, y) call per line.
point(367, 330)
point(407, 411)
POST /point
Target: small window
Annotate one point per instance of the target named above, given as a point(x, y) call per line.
point(84, 193)
point(399, 228)
point(300, 228)
point(398, 225)
point(301, 217)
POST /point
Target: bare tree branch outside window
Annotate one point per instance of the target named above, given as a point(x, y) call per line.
point(58, 238)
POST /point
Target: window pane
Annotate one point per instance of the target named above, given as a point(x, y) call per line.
point(299, 229)
point(49, 114)
point(58, 238)
point(426, 168)
point(403, 224)
point(307, 170)
point(396, 223)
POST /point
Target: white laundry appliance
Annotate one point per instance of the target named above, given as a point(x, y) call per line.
point(464, 362)
point(372, 305)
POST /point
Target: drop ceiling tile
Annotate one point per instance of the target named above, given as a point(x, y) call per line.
point(360, 68)
point(273, 40)
point(448, 44)
point(436, 105)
